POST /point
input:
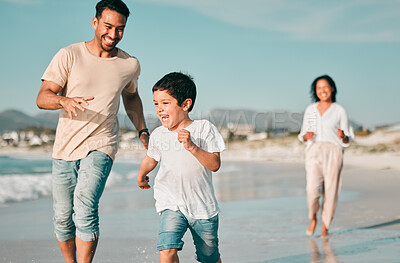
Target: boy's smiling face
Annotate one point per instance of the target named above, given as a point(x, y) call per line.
point(171, 115)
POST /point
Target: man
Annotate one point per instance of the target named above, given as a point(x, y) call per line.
point(85, 81)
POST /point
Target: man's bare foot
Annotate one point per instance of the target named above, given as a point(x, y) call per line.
point(311, 227)
point(324, 232)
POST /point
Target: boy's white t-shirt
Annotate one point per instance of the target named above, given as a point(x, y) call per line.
point(182, 183)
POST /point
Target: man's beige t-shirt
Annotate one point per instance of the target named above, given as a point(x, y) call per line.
point(82, 74)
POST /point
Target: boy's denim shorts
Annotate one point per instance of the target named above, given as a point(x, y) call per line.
point(204, 231)
point(77, 188)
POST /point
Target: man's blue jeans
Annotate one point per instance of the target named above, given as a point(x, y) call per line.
point(77, 188)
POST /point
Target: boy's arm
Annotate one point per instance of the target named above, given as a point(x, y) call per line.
point(147, 165)
point(211, 161)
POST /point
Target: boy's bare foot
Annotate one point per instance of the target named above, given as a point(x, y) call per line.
point(311, 227)
point(324, 232)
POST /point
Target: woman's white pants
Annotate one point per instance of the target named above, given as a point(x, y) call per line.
point(324, 165)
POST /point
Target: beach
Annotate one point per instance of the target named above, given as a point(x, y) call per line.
point(261, 192)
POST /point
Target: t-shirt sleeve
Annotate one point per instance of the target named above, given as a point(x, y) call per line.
point(213, 139)
point(132, 86)
point(152, 150)
point(59, 68)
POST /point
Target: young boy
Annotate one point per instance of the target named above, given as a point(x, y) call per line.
point(188, 152)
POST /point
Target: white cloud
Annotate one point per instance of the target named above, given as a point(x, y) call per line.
point(310, 20)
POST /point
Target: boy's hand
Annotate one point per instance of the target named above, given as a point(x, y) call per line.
point(147, 165)
point(184, 137)
point(143, 182)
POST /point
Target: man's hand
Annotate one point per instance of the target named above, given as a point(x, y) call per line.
point(71, 104)
point(184, 137)
point(144, 138)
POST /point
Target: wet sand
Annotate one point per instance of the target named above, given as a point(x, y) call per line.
point(263, 219)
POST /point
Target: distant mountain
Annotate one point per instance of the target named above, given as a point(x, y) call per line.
point(48, 119)
point(152, 121)
point(12, 120)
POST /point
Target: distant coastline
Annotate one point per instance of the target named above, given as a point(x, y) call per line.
point(380, 150)
point(249, 136)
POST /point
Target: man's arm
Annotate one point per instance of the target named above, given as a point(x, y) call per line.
point(147, 165)
point(49, 100)
point(134, 109)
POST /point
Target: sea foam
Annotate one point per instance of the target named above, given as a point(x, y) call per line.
point(21, 187)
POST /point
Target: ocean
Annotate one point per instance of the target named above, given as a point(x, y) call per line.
point(28, 177)
point(263, 215)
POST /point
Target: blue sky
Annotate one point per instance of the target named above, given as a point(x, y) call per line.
point(248, 54)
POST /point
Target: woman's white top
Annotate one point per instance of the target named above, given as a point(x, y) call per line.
point(325, 126)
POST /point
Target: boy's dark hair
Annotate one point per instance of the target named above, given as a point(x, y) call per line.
point(313, 90)
point(116, 5)
point(178, 85)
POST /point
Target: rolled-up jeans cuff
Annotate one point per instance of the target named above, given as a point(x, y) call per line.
point(87, 236)
point(62, 238)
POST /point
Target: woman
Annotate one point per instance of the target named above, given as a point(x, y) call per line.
point(326, 131)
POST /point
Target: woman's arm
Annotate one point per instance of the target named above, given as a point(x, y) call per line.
point(344, 132)
point(308, 126)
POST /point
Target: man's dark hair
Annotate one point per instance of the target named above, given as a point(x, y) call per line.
point(178, 85)
point(313, 90)
point(116, 5)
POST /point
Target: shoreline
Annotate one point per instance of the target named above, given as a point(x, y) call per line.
point(284, 150)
